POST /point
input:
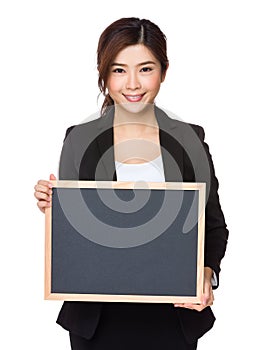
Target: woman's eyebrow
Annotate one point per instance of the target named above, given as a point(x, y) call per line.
point(139, 64)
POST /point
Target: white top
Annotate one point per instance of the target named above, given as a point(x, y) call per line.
point(148, 171)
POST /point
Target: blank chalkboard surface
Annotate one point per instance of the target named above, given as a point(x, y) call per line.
point(124, 241)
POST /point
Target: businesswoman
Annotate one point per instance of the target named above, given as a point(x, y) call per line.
point(134, 140)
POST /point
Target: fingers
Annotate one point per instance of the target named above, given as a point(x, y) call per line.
point(206, 300)
point(43, 193)
point(52, 177)
point(196, 307)
point(43, 190)
point(41, 187)
point(43, 204)
point(208, 296)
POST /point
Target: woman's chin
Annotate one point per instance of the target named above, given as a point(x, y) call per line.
point(134, 107)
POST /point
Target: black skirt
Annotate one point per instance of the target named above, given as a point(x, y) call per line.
point(132, 326)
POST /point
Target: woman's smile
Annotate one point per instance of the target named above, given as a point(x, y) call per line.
point(134, 98)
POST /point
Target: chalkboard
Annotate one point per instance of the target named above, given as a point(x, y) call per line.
point(125, 241)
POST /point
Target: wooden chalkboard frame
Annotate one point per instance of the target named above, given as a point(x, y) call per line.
point(166, 186)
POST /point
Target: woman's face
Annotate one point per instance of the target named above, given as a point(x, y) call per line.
point(135, 77)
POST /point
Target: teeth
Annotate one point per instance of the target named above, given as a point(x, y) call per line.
point(133, 98)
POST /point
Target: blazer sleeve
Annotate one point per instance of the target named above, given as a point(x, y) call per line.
point(67, 167)
point(216, 232)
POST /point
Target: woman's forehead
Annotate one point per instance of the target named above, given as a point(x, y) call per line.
point(135, 54)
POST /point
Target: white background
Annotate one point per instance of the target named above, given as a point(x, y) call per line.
point(217, 78)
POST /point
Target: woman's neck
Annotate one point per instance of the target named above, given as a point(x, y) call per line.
point(136, 135)
point(135, 120)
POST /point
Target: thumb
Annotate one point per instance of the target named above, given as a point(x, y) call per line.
point(52, 177)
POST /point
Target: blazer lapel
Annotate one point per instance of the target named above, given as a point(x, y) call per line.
point(171, 140)
point(105, 142)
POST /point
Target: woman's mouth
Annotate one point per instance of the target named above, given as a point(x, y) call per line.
point(134, 98)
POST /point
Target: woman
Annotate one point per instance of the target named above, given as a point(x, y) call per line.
point(134, 140)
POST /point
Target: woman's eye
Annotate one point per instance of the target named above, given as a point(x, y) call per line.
point(118, 70)
point(146, 69)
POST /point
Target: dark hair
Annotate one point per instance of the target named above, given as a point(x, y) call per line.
point(120, 34)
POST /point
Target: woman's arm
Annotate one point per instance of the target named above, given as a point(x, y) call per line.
point(216, 233)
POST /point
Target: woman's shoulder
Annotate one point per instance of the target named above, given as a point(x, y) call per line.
point(198, 129)
point(186, 127)
point(86, 127)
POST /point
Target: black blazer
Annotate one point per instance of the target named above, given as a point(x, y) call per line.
point(87, 154)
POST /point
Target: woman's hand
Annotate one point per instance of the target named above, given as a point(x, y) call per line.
point(43, 192)
point(207, 297)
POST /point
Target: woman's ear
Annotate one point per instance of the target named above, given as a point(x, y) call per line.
point(163, 75)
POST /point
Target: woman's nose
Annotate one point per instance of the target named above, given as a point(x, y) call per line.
point(133, 82)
